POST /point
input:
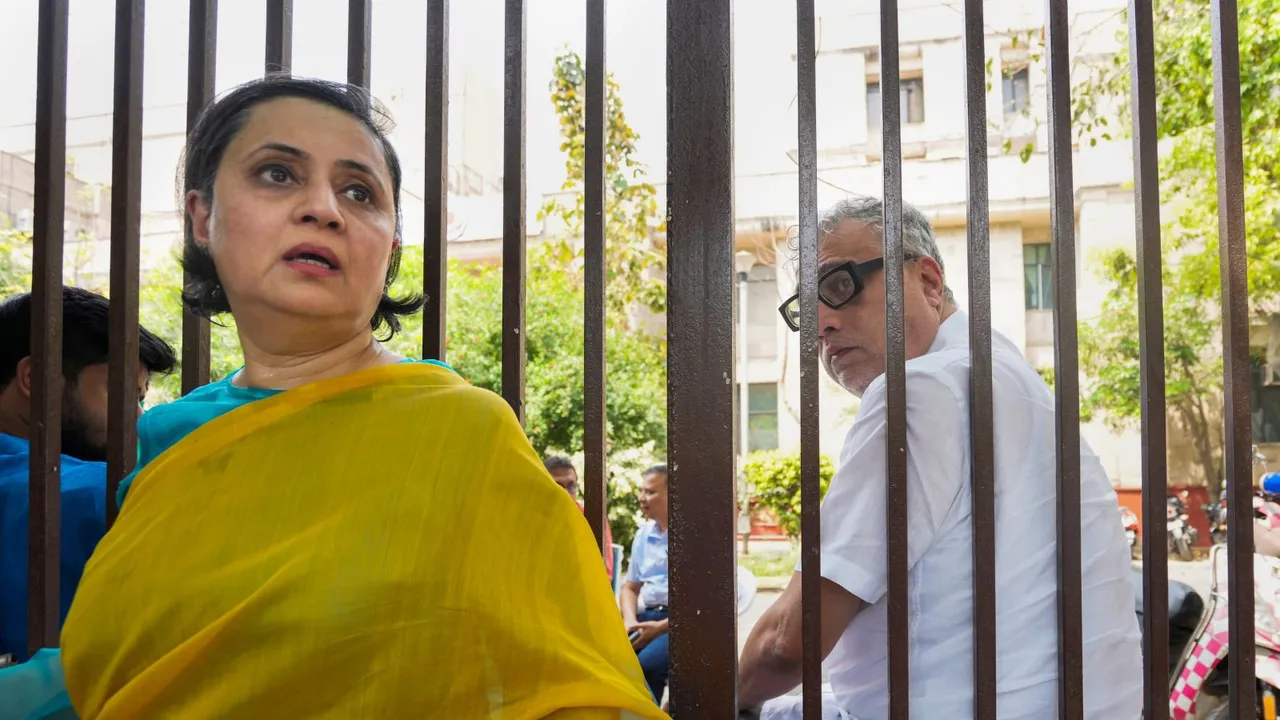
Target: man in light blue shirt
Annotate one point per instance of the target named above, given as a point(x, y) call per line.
point(644, 594)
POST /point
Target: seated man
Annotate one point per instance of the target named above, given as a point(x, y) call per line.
point(84, 444)
point(566, 476)
point(646, 583)
point(851, 327)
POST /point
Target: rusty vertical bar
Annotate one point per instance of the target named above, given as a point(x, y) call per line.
point(202, 43)
point(1235, 347)
point(981, 417)
point(513, 203)
point(1066, 363)
point(435, 254)
point(896, 519)
point(126, 215)
point(700, 374)
point(359, 42)
point(593, 435)
point(810, 487)
point(279, 46)
point(46, 326)
point(1155, 480)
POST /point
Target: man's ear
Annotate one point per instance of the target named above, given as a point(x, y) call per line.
point(931, 280)
point(199, 211)
point(22, 377)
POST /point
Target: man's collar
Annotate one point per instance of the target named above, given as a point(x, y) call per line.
point(953, 330)
point(12, 445)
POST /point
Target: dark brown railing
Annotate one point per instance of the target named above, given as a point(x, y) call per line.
point(700, 327)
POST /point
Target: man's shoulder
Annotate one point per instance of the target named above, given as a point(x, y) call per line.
point(931, 378)
point(78, 473)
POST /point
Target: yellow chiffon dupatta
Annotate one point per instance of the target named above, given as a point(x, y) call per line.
point(381, 545)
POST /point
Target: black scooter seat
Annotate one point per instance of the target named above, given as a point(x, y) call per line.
point(1186, 607)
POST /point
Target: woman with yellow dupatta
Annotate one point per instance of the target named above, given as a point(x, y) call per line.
point(333, 530)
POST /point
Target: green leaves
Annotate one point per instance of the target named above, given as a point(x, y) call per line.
point(1189, 206)
point(775, 479)
point(633, 263)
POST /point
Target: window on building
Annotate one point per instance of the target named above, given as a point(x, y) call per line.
point(1017, 91)
point(1264, 400)
point(910, 95)
point(762, 416)
point(1039, 276)
point(762, 313)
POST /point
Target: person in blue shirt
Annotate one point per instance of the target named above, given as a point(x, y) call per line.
point(84, 444)
point(644, 593)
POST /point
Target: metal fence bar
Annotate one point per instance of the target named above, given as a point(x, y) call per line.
point(593, 358)
point(1155, 480)
point(359, 42)
point(46, 326)
point(513, 206)
point(896, 517)
point(126, 218)
point(810, 486)
point(435, 254)
point(202, 44)
point(701, 373)
point(1235, 350)
point(981, 416)
point(279, 46)
point(1066, 363)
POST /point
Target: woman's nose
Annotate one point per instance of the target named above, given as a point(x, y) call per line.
point(320, 206)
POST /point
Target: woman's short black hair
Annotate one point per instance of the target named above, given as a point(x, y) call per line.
point(207, 142)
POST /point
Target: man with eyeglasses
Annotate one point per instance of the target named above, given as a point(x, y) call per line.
point(565, 474)
point(854, 620)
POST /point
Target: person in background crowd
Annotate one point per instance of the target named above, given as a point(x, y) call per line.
point(84, 444)
point(851, 331)
point(333, 530)
point(566, 476)
point(644, 593)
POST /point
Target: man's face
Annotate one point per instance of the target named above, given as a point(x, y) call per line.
point(566, 478)
point(851, 339)
point(653, 496)
point(84, 412)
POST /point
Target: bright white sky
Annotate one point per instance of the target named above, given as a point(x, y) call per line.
point(636, 47)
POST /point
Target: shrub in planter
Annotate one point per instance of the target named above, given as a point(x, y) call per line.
point(774, 478)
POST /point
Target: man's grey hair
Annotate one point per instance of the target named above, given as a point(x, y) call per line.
point(917, 233)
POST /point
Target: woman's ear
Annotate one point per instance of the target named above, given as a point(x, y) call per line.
point(199, 212)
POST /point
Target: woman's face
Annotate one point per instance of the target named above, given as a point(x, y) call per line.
point(303, 220)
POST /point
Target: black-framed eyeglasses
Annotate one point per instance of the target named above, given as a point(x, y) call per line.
point(836, 288)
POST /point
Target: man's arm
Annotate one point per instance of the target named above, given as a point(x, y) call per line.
point(771, 661)
point(630, 599)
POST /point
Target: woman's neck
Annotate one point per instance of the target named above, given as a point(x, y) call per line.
point(281, 370)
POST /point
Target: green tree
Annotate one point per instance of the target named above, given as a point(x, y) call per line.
point(15, 261)
point(634, 266)
point(1188, 183)
point(160, 311)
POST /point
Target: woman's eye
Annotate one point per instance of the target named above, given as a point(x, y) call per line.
point(275, 174)
point(359, 194)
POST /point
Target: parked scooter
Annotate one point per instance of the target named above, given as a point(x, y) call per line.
point(1132, 529)
point(1200, 690)
point(1217, 512)
point(1182, 536)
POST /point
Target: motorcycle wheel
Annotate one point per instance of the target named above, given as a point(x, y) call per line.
point(1184, 548)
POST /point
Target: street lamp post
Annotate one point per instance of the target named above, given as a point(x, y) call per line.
point(743, 261)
